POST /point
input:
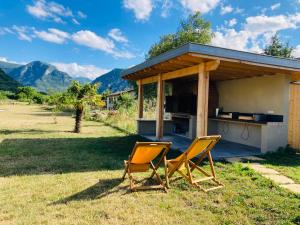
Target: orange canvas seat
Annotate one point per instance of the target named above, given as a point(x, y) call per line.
point(184, 165)
point(141, 159)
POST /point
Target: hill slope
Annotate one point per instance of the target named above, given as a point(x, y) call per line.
point(7, 83)
point(7, 67)
point(113, 81)
point(42, 76)
point(83, 80)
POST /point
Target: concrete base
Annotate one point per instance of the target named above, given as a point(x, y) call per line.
point(224, 149)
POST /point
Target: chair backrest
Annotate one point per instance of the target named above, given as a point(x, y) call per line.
point(144, 152)
point(199, 145)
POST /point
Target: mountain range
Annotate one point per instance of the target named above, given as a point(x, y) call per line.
point(112, 81)
point(42, 76)
point(45, 77)
point(7, 83)
point(7, 67)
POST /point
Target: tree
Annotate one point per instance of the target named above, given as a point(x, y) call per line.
point(125, 101)
point(26, 94)
point(277, 48)
point(58, 101)
point(81, 96)
point(193, 29)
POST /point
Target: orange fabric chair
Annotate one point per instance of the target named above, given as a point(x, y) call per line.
point(184, 165)
point(141, 159)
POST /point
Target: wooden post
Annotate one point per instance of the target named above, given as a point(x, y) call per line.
point(160, 108)
point(202, 102)
point(140, 99)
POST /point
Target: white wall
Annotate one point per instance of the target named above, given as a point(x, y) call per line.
point(256, 95)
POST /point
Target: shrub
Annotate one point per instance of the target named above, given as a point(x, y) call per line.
point(125, 101)
point(4, 95)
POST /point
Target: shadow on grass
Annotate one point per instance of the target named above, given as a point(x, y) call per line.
point(116, 128)
point(289, 158)
point(99, 190)
point(24, 131)
point(49, 114)
point(64, 155)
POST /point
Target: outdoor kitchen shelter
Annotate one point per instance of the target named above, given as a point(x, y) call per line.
point(250, 99)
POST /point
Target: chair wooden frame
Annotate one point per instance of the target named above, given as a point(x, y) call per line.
point(129, 165)
point(190, 166)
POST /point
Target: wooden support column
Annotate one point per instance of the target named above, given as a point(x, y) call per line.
point(160, 107)
point(202, 102)
point(140, 99)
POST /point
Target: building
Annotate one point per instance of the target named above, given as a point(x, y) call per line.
point(252, 100)
point(112, 98)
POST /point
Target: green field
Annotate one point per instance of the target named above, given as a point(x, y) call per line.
point(49, 175)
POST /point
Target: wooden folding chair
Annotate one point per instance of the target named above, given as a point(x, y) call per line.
point(141, 159)
point(185, 166)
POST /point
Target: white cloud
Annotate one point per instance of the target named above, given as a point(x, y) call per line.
point(77, 70)
point(230, 38)
point(296, 52)
point(226, 9)
point(141, 8)
point(38, 10)
point(49, 10)
point(232, 22)
point(256, 31)
point(165, 8)
point(82, 15)
point(75, 21)
point(5, 30)
point(117, 35)
point(52, 35)
point(275, 6)
point(261, 24)
point(4, 59)
point(238, 10)
point(115, 43)
point(203, 6)
point(22, 32)
point(92, 40)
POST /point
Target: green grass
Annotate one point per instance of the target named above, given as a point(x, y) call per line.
point(49, 175)
point(285, 161)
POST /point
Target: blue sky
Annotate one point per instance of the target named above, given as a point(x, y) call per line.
point(90, 37)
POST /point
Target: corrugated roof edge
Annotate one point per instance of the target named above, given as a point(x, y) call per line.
point(216, 52)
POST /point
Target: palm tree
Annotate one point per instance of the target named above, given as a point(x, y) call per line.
point(80, 96)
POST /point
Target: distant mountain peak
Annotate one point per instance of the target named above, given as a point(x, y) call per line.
point(112, 81)
point(42, 76)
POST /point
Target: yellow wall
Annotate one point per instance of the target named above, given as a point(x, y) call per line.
point(256, 95)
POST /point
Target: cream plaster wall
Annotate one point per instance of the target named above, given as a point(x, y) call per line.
point(256, 95)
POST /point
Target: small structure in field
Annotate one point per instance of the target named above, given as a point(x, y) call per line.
point(113, 97)
point(252, 100)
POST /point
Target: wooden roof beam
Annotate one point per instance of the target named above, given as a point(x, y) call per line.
point(212, 65)
point(295, 76)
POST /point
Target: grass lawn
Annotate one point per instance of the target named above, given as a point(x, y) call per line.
point(287, 163)
point(49, 175)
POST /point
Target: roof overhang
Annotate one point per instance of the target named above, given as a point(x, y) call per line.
point(233, 64)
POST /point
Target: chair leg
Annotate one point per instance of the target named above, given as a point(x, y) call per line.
point(166, 172)
point(132, 185)
point(211, 164)
point(158, 177)
point(211, 177)
point(187, 166)
point(158, 164)
point(125, 170)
